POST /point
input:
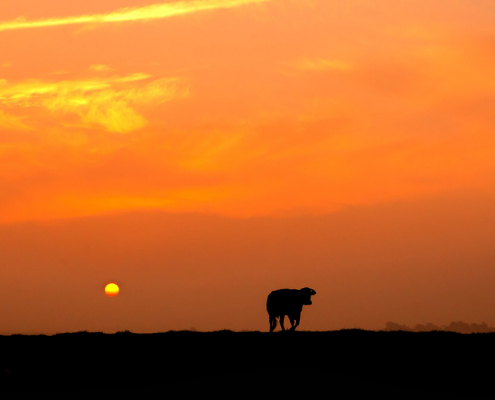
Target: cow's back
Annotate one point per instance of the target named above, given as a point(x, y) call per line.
point(282, 301)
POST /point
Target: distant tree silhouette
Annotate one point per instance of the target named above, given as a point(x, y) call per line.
point(288, 302)
point(458, 326)
point(392, 326)
point(429, 327)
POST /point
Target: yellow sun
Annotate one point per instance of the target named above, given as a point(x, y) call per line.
point(112, 289)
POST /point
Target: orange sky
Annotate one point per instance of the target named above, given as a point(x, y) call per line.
point(243, 111)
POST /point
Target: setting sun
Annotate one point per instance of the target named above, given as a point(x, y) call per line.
point(112, 289)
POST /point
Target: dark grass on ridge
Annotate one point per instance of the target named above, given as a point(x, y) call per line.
point(436, 361)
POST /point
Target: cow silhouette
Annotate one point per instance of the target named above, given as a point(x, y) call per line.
point(288, 302)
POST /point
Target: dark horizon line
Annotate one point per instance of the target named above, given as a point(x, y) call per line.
point(229, 331)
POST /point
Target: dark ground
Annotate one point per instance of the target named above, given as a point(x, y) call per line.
point(235, 363)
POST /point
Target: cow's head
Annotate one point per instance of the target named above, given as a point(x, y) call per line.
point(306, 294)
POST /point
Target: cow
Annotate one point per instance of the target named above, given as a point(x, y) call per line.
point(288, 302)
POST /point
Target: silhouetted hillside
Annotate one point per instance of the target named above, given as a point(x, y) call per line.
point(350, 361)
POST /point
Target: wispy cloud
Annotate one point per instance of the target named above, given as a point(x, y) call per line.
point(109, 103)
point(27, 90)
point(99, 67)
point(12, 122)
point(153, 11)
point(321, 64)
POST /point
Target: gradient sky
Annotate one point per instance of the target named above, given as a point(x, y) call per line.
point(203, 153)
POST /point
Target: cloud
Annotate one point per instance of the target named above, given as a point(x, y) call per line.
point(27, 89)
point(320, 64)
point(109, 103)
point(11, 122)
point(99, 67)
point(60, 72)
point(153, 11)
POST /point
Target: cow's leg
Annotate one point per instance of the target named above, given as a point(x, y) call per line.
point(282, 322)
point(292, 321)
point(273, 323)
point(297, 318)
